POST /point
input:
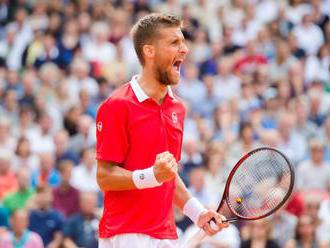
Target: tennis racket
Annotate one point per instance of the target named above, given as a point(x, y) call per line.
point(258, 185)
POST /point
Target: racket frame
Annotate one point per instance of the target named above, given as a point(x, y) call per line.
point(225, 196)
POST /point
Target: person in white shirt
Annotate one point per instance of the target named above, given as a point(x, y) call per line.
point(309, 35)
point(84, 175)
point(98, 49)
point(314, 174)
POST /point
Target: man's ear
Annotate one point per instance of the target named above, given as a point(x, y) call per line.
point(148, 51)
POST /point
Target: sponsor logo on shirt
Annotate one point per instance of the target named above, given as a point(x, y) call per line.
point(99, 126)
point(174, 117)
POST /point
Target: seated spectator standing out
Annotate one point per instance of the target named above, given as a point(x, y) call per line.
point(19, 199)
point(66, 197)
point(44, 220)
point(20, 236)
point(80, 230)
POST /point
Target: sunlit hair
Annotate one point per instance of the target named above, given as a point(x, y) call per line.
point(146, 30)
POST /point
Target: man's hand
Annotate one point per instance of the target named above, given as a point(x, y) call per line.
point(208, 225)
point(165, 167)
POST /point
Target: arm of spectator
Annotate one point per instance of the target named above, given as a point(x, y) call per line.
point(111, 176)
point(68, 243)
point(290, 244)
point(57, 241)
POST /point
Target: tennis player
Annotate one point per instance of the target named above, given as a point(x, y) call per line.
point(139, 138)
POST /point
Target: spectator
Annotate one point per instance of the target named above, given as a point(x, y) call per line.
point(40, 137)
point(305, 234)
point(305, 31)
point(79, 79)
point(85, 136)
point(50, 52)
point(325, 138)
point(260, 235)
point(304, 127)
point(191, 88)
point(98, 50)
point(66, 197)
point(80, 230)
point(315, 167)
point(245, 142)
point(20, 235)
point(8, 181)
point(226, 85)
point(284, 223)
point(7, 141)
point(283, 61)
point(62, 151)
point(292, 143)
point(69, 43)
point(46, 175)
point(217, 170)
point(44, 220)
point(84, 175)
point(24, 157)
point(324, 215)
point(198, 187)
point(19, 199)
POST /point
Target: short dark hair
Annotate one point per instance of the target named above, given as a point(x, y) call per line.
point(147, 29)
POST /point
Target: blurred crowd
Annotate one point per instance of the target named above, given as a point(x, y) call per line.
point(258, 74)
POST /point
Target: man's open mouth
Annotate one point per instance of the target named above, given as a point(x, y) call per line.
point(177, 64)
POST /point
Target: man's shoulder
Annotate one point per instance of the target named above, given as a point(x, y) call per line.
point(119, 97)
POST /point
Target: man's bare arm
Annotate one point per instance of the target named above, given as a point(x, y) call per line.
point(111, 176)
point(181, 195)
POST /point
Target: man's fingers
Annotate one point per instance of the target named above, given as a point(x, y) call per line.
point(224, 222)
point(214, 226)
point(220, 221)
point(209, 230)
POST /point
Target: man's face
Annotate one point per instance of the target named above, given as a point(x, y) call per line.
point(170, 52)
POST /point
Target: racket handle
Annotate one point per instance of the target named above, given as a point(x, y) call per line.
point(195, 240)
point(229, 220)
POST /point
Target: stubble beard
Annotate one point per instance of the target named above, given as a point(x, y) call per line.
point(164, 77)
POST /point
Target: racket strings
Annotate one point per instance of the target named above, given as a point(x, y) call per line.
point(260, 184)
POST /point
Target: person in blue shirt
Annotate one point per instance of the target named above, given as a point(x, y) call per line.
point(44, 220)
point(81, 228)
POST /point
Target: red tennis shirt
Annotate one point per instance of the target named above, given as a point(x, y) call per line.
point(132, 129)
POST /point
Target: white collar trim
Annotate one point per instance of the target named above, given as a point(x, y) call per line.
point(140, 94)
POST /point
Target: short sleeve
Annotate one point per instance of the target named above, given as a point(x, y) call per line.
point(111, 131)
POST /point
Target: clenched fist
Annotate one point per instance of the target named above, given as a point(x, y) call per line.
point(165, 167)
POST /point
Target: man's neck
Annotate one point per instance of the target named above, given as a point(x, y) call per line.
point(152, 87)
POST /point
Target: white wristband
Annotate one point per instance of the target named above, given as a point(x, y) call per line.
point(193, 208)
point(145, 178)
